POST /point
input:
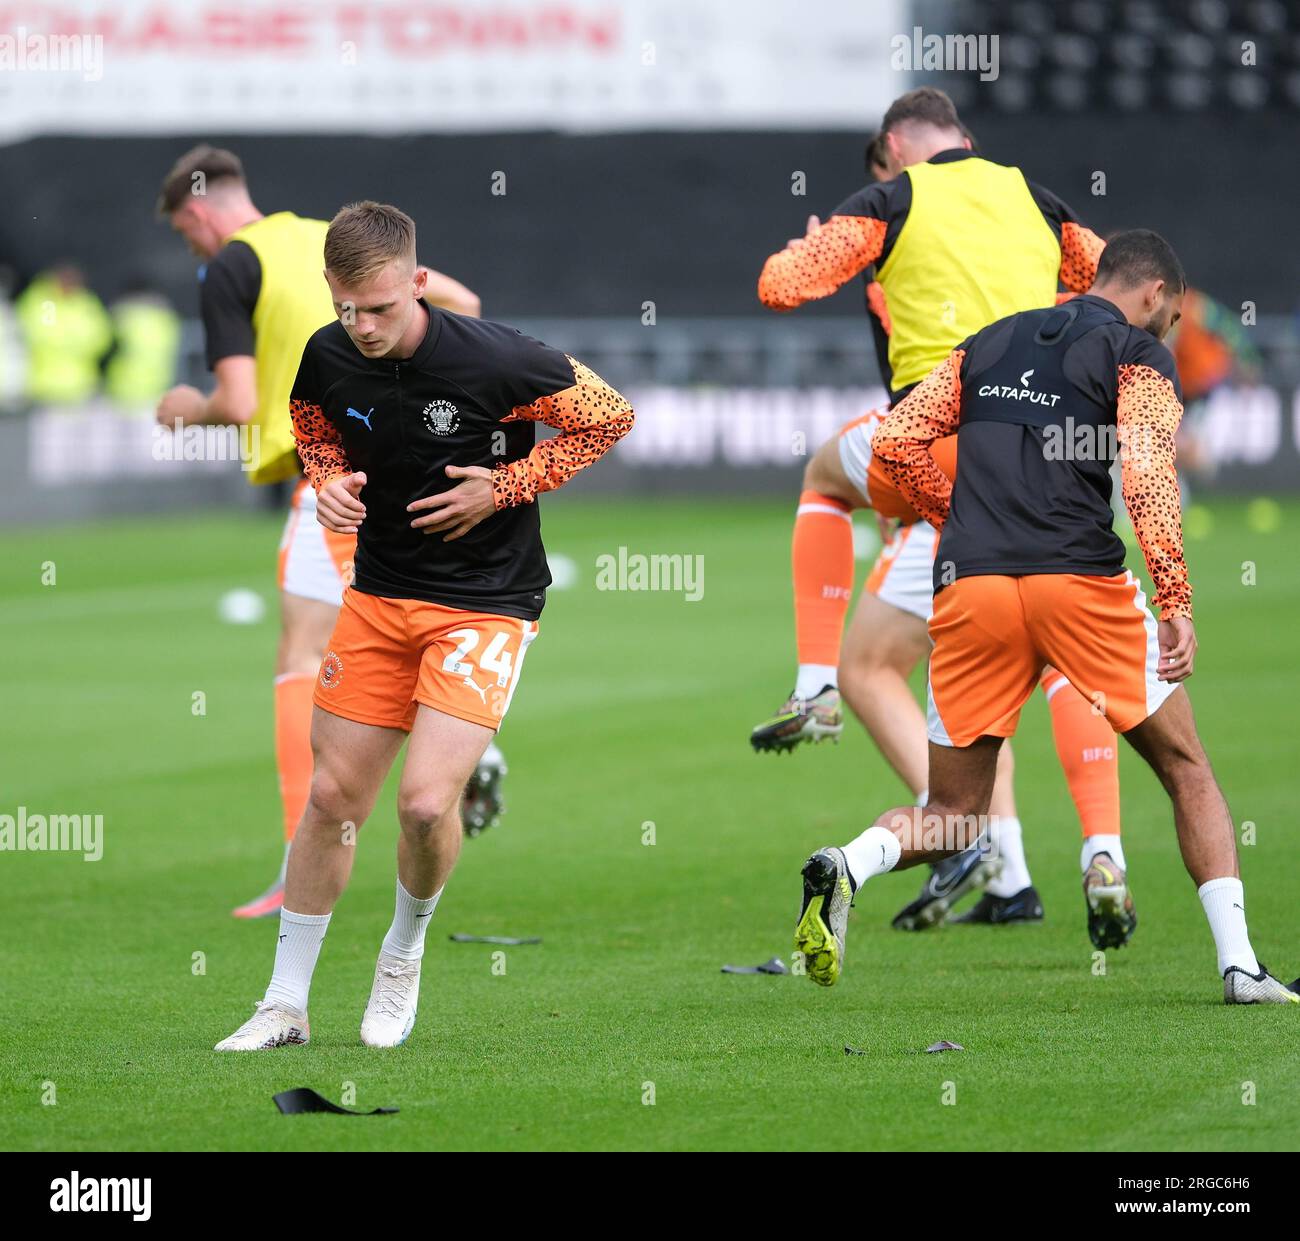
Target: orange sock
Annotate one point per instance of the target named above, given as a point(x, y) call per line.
point(293, 710)
point(1089, 754)
point(822, 562)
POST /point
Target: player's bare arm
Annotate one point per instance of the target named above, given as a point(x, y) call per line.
point(233, 402)
point(449, 294)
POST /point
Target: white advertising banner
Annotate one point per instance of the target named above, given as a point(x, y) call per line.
point(386, 66)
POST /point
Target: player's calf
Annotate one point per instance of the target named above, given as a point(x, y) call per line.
point(1168, 741)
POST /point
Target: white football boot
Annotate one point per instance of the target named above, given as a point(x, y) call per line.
point(1262, 988)
point(390, 1015)
point(268, 1027)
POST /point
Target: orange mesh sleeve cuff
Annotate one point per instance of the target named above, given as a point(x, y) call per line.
point(591, 418)
point(902, 442)
point(816, 266)
point(320, 446)
point(1080, 250)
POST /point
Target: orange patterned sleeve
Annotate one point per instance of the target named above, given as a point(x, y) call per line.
point(816, 266)
point(320, 445)
point(1080, 251)
point(902, 442)
point(1148, 412)
point(591, 418)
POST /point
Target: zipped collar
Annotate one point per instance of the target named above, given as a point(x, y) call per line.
point(424, 350)
point(1103, 303)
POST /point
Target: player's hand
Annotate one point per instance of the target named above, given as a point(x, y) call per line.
point(813, 225)
point(1177, 648)
point(459, 510)
point(181, 402)
point(339, 507)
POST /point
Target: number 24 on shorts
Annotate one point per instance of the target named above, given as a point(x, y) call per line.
point(495, 658)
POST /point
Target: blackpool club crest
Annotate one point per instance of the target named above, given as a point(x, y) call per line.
point(331, 670)
point(441, 417)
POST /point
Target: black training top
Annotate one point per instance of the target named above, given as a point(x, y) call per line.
point(1040, 402)
point(468, 396)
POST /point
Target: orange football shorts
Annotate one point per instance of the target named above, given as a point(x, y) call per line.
point(994, 635)
point(387, 656)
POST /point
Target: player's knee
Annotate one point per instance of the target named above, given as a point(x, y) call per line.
point(821, 475)
point(1183, 764)
point(423, 811)
point(330, 800)
point(874, 673)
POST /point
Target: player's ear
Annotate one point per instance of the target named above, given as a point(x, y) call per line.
point(420, 282)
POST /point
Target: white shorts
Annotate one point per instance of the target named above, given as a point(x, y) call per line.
point(854, 443)
point(903, 575)
point(315, 563)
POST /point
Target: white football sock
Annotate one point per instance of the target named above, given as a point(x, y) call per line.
point(1013, 876)
point(873, 853)
point(1224, 901)
point(813, 678)
point(411, 917)
point(1093, 845)
point(301, 936)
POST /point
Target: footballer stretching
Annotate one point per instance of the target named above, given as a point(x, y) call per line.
point(1029, 571)
point(939, 227)
point(261, 297)
point(416, 428)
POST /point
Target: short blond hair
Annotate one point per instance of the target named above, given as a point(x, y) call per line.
point(365, 237)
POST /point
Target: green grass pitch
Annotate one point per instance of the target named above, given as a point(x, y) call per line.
point(633, 710)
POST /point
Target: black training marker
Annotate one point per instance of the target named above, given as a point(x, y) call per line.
point(509, 940)
point(773, 966)
point(304, 1099)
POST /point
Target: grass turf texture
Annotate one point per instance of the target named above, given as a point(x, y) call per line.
point(634, 709)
